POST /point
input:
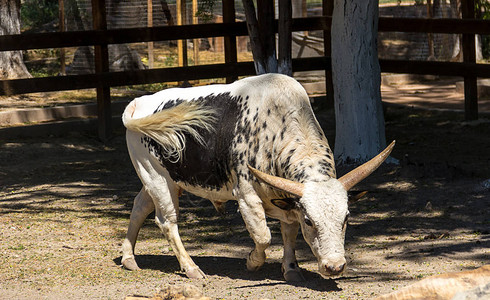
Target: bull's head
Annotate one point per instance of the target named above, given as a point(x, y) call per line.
point(321, 209)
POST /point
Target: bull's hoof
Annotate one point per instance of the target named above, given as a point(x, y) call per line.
point(195, 273)
point(254, 264)
point(293, 276)
point(292, 272)
point(130, 264)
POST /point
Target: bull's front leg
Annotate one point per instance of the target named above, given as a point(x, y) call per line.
point(253, 214)
point(290, 269)
point(142, 207)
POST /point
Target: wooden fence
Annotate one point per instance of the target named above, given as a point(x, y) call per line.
point(102, 79)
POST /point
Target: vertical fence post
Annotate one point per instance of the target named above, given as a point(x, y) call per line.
point(181, 44)
point(195, 21)
point(61, 11)
point(150, 24)
point(327, 43)
point(102, 65)
point(469, 56)
point(230, 41)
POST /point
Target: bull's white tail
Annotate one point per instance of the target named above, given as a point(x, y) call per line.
point(169, 126)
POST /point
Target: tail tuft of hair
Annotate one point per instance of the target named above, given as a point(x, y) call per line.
point(169, 127)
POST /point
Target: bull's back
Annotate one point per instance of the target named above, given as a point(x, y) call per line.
point(210, 164)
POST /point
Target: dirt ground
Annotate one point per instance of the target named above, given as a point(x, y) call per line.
point(65, 204)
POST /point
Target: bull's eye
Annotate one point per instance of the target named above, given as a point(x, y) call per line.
point(308, 221)
point(346, 219)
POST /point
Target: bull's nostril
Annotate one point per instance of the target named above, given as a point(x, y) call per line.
point(334, 270)
point(341, 268)
point(330, 269)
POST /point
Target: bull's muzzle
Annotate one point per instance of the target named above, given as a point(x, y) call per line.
point(332, 268)
point(335, 270)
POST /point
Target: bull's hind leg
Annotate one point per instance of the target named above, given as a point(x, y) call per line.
point(170, 229)
point(290, 269)
point(164, 194)
point(166, 200)
point(142, 207)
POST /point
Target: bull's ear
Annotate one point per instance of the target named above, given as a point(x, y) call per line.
point(354, 198)
point(285, 203)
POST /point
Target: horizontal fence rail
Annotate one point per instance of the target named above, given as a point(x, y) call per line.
point(119, 36)
point(166, 33)
point(74, 82)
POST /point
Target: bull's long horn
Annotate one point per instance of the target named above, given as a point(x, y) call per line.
point(283, 184)
point(355, 176)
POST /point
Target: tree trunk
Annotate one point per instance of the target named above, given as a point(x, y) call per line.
point(11, 62)
point(456, 13)
point(121, 57)
point(360, 132)
point(285, 37)
point(255, 40)
point(261, 31)
point(430, 35)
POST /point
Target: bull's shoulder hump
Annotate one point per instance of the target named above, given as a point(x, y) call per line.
point(270, 80)
point(271, 87)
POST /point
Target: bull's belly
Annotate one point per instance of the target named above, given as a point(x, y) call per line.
point(222, 194)
point(219, 196)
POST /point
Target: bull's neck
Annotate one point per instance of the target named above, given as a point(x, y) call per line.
point(304, 162)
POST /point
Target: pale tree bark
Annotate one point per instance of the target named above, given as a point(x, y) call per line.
point(11, 62)
point(360, 131)
point(457, 49)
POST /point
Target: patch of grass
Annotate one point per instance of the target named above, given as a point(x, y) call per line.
point(18, 247)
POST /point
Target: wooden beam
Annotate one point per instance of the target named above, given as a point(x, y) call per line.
point(435, 68)
point(73, 82)
point(231, 55)
point(104, 115)
point(469, 56)
point(61, 16)
point(165, 33)
point(149, 9)
point(181, 43)
point(195, 21)
point(327, 10)
point(450, 26)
